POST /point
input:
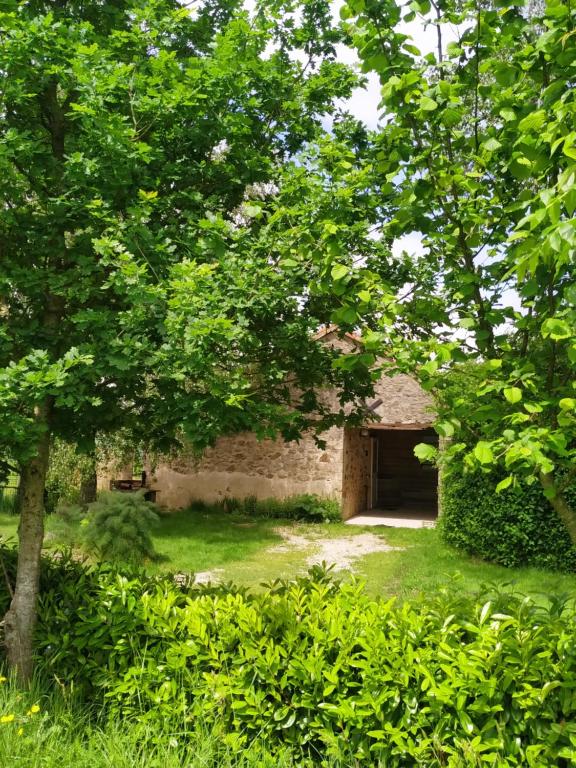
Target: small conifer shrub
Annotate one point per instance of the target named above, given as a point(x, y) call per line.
point(118, 527)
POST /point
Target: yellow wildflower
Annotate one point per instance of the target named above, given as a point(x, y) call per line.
point(3, 679)
point(6, 718)
point(20, 731)
point(33, 709)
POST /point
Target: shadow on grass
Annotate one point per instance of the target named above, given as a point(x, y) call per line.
point(197, 540)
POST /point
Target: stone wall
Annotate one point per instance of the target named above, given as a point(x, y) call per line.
point(240, 465)
point(355, 473)
point(403, 402)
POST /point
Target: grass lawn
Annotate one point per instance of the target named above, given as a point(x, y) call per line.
point(250, 552)
point(238, 549)
point(8, 525)
point(425, 564)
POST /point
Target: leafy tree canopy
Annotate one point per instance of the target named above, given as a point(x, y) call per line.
point(477, 153)
point(147, 179)
point(174, 224)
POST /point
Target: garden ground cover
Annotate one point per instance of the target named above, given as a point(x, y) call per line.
point(228, 547)
point(43, 729)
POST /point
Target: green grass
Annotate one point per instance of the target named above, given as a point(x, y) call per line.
point(62, 734)
point(425, 564)
point(240, 549)
point(195, 541)
point(252, 552)
point(8, 525)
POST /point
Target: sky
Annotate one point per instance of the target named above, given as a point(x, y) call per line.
point(364, 102)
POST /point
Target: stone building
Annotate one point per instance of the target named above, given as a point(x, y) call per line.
point(371, 467)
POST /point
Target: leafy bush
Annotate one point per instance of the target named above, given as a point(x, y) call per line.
point(306, 507)
point(514, 527)
point(118, 527)
point(64, 475)
point(319, 667)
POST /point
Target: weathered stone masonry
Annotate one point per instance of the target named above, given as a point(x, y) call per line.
point(239, 465)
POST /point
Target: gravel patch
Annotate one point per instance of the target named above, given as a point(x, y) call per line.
point(341, 552)
point(205, 577)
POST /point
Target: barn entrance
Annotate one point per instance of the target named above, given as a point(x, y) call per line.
point(380, 472)
point(398, 480)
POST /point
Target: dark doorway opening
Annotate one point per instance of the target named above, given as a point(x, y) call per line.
point(399, 481)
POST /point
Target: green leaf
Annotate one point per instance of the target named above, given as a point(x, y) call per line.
point(567, 403)
point(503, 484)
point(339, 272)
point(508, 114)
point(428, 104)
point(453, 49)
point(556, 329)
point(491, 144)
point(251, 210)
point(445, 428)
point(533, 122)
point(425, 452)
point(483, 453)
point(513, 394)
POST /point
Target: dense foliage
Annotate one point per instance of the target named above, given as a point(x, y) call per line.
point(160, 166)
point(118, 526)
point(115, 528)
point(476, 157)
point(161, 290)
point(305, 507)
point(515, 527)
point(320, 667)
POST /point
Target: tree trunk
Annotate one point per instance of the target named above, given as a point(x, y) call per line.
point(88, 487)
point(20, 620)
point(560, 504)
point(89, 481)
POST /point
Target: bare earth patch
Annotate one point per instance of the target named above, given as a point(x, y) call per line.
point(340, 552)
point(317, 548)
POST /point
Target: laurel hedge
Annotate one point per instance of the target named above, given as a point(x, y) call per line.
point(516, 527)
point(318, 667)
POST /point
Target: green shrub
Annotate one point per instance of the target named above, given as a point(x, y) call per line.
point(314, 508)
point(513, 527)
point(118, 527)
point(307, 507)
point(318, 667)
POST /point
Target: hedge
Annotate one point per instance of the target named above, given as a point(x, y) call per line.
point(319, 667)
point(516, 527)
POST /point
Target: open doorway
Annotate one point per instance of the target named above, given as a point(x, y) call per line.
point(398, 480)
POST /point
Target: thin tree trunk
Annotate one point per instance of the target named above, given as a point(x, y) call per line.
point(88, 487)
point(560, 504)
point(89, 482)
point(20, 620)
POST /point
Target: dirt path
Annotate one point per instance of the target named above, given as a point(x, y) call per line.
point(341, 552)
